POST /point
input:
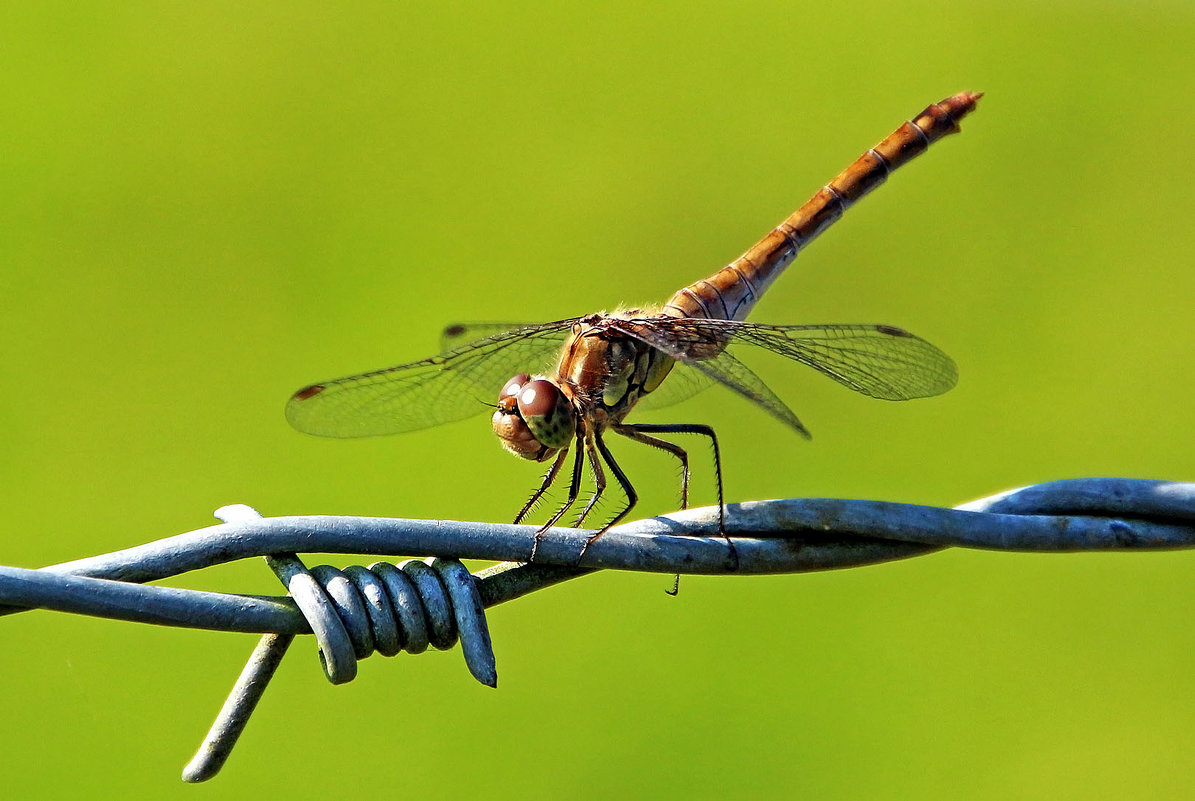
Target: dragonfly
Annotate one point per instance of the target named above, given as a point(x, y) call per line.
point(595, 369)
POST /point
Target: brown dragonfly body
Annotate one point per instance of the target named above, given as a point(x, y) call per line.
point(610, 362)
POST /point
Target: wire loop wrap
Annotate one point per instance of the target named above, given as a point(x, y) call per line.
point(388, 608)
point(384, 607)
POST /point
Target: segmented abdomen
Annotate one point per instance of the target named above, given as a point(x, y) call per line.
point(730, 293)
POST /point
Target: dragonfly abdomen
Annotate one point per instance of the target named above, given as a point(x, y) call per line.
point(733, 291)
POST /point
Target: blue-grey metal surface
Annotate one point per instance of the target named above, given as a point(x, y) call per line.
point(387, 608)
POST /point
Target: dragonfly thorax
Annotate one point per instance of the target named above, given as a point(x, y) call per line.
point(609, 372)
point(533, 419)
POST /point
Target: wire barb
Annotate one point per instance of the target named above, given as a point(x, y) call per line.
point(353, 612)
point(410, 606)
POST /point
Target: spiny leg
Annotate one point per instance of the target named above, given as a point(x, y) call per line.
point(549, 478)
point(574, 489)
point(705, 431)
point(599, 479)
point(634, 432)
point(623, 481)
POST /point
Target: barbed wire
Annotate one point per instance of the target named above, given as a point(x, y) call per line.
point(387, 608)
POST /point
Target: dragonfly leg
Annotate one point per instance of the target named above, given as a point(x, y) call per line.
point(574, 489)
point(549, 479)
point(705, 431)
point(633, 432)
point(599, 480)
point(623, 481)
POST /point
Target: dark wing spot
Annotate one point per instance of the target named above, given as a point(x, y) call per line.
point(892, 331)
point(309, 392)
point(454, 330)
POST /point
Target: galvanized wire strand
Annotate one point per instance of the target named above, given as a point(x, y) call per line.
point(388, 608)
point(796, 535)
point(828, 530)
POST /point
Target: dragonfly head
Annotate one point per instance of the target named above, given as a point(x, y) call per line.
point(534, 419)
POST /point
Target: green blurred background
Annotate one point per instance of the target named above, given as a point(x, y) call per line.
point(203, 208)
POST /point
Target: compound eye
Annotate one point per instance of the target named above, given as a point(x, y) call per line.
point(547, 412)
point(513, 386)
point(539, 398)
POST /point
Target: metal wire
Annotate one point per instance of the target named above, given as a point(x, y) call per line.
point(410, 606)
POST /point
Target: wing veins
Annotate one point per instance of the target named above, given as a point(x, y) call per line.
point(880, 361)
point(426, 392)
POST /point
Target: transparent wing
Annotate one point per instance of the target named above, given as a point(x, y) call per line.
point(457, 383)
point(715, 363)
point(682, 383)
point(458, 334)
point(881, 361)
